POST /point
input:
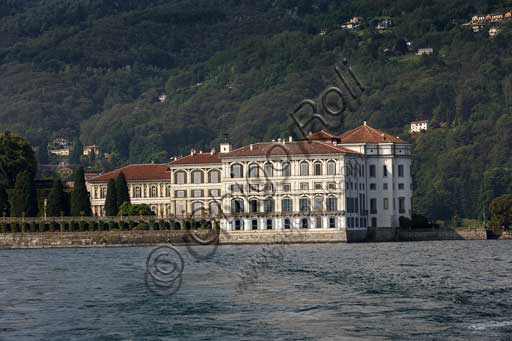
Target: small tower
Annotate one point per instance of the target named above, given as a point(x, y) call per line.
point(225, 146)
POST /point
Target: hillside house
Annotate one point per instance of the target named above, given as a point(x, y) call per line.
point(418, 126)
point(425, 51)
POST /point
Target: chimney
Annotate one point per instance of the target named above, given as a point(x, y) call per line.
point(383, 137)
point(279, 139)
point(192, 151)
point(364, 123)
point(250, 146)
point(290, 139)
point(212, 151)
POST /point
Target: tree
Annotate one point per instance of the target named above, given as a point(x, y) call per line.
point(122, 190)
point(57, 204)
point(127, 209)
point(77, 150)
point(80, 204)
point(4, 202)
point(501, 211)
point(16, 156)
point(25, 196)
point(111, 199)
point(401, 46)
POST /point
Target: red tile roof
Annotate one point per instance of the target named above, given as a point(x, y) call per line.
point(367, 134)
point(137, 172)
point(288, 148)
point(321, 135)
point(197, 158)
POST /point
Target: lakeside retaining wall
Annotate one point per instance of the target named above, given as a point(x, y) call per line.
point(283, 236)
point(390, 234)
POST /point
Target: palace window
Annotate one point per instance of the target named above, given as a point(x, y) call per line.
point(331, 168)
point(213, 207)
point(318, 203)
point(373, 187)
point(254, 224)
point(237, 206)
point(197, 193)
point(237, 170)
point(401, 186)
point(331, 185)
point(254, 188)
point(237, 188)
point(180, 178)
point(197, 177)
point(180, 194)
point(269, 169)
point(253, 170)
point(401, 205)
point(332, 222)
point(318, 185)
point(268, 188)
point(136, 192)
point(304, 168)
point(214, 177)
point(153, 192)
point(385, 186)
point(386, 203)
point(168, 191)
point(304, 186)
point(103, 192)
point(304, 205)
point(286, 205)
point(197, 209)
point(318, 168)
point(373, 206)
point(318, 222)
point(238, 224)
point(287, 224)
point(372, 171)
point(214, 192)
point(304, 223)
point(332, 204)
point(287, 187)
point(384, 171)
point(286, 169)
point(268, 205)
point(253, 206)
point(269, 224)
point(401, 171)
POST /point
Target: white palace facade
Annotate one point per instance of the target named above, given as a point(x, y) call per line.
point(351, 181)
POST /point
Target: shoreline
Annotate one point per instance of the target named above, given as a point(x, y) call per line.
point(148, 238)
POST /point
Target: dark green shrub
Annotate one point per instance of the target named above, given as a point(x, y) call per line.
point(132, 225)
point(42, 227)
point(3, 227)
point(112, 226)
point(166, 225)
point(33, 227)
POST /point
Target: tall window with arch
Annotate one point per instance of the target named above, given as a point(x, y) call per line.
point(268, 168)
point(331, 168)
point(197, 177)
point(286, 169)
point(253, 170)
point(318, 168)
point(153, 192)
point(304, 205)
point(136, 192)
point(304, 168)
point(332, 204)
point(214, 177)
point(268, 205)
point(286, 205)
point(237, 170)
point(180, 178)
point(237, 206)
point(318, 203)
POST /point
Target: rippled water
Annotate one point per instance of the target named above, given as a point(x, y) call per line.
point(425, 290)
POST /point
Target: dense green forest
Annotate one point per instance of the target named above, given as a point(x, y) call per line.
point(94, 69)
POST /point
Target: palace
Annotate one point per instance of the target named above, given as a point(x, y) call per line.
point(351, 181)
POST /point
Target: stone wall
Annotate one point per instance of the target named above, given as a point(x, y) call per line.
point(388, 234)
point(91, 239)
point(284, 236)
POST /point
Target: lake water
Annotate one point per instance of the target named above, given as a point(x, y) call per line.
point(424, 290)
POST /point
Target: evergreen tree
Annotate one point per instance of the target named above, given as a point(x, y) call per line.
point(80, 204)
point(122, 190)
point(57, 200)
point(4, 202)
point(25, 196)
point(111, 200)
point(76, 151)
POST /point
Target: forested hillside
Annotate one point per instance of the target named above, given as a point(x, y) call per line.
point(95, 68)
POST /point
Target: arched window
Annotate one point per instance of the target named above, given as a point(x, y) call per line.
point(318, 204)
point(237, 170)
point(237, 206)
point(304, 168)
point(332, 204)
point(304, 205)
point(214, 177)
point(269, 169)
point(286, 205)
point(287, 224)
point(331, 168)
point(286, 169)
point(213, 208)
point(136, 192)
point(180, 178)
point(197, 209)
point(318, 168)
point(268, 205)
point(253, 205)
point(154, 209)
point(197, 177)
point(168, 191)
point(153, 192)
point(253, 170)
point(304, 223)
